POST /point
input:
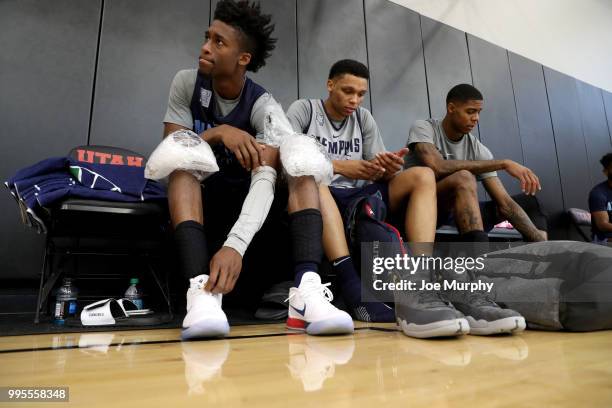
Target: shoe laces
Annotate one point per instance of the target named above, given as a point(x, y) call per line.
point(196, 283)
point(480, 299)
point(197, 288)
point(429, 296)
point(320, 289)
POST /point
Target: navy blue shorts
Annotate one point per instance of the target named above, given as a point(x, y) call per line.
point(345, 196)
point(222, 199)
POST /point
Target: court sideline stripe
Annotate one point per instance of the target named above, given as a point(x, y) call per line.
point(136, 343)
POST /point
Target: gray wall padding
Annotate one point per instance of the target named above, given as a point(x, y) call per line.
point(50, 81)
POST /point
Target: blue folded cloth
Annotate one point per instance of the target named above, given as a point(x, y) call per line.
point(51, 180)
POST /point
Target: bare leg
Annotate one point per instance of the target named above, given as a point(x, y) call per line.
point(184, 198)
point(303, 194)
point(305, 225)
point(416, 189)
point(460, 192)
point(334, 241)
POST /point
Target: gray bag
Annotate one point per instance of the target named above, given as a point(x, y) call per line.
point(555, 285)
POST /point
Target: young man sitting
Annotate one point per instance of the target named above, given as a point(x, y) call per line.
point(600, 204)
point(363, 168)
point(228, 110)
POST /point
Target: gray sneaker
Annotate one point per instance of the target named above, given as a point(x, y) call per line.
point(423, 314)
point(485, 316)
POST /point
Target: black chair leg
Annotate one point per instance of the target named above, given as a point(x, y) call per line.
point(164, 290)
point(48, 278)
point(43, 274)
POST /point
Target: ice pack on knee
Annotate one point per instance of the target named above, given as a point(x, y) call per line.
point(181, 150)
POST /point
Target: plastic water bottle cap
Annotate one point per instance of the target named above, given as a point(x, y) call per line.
point(133, 281)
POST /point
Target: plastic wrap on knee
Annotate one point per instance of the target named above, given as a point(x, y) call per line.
point(276, 125)
point(181, 150)
point(302, 155)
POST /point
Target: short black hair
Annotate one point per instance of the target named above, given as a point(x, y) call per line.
point(349, 66)
point(463, 93)
point(246, 17)
point(606, 160)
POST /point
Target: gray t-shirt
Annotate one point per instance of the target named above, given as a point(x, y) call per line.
point(179, 100)
point(431, 131)
point(344, 140)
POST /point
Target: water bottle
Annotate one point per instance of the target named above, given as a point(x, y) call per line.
point(133, 293)
point(65, 301)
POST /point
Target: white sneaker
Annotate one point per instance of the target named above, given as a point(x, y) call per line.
point(310, 309)
point(204, 318)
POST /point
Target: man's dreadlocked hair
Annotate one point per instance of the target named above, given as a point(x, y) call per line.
point(255, 27)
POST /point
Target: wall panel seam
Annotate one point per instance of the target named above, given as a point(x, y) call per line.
point(518, 122)
point(579, 100)
point(467, 44)
point(297, 52)
point(425, 65)
point(365, 28)
point(603, 101)
point(552, 124)
point(95, 75)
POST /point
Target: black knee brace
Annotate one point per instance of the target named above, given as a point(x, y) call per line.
point(306, 229)
point(191, 249)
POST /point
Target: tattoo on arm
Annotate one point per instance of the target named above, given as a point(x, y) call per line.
point(431, 157)
point(520, 220)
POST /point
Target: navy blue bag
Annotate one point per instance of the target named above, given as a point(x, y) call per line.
point(369, 236)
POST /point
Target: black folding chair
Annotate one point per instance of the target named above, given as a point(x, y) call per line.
point(85, 227)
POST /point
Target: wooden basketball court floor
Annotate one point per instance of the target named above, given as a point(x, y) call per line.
point(265, 366)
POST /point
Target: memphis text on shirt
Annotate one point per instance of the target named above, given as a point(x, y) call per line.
point(340, 147)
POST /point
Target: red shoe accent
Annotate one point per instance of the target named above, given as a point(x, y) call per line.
point(296, 324)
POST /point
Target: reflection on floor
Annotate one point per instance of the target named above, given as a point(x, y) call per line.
point(265, 366)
